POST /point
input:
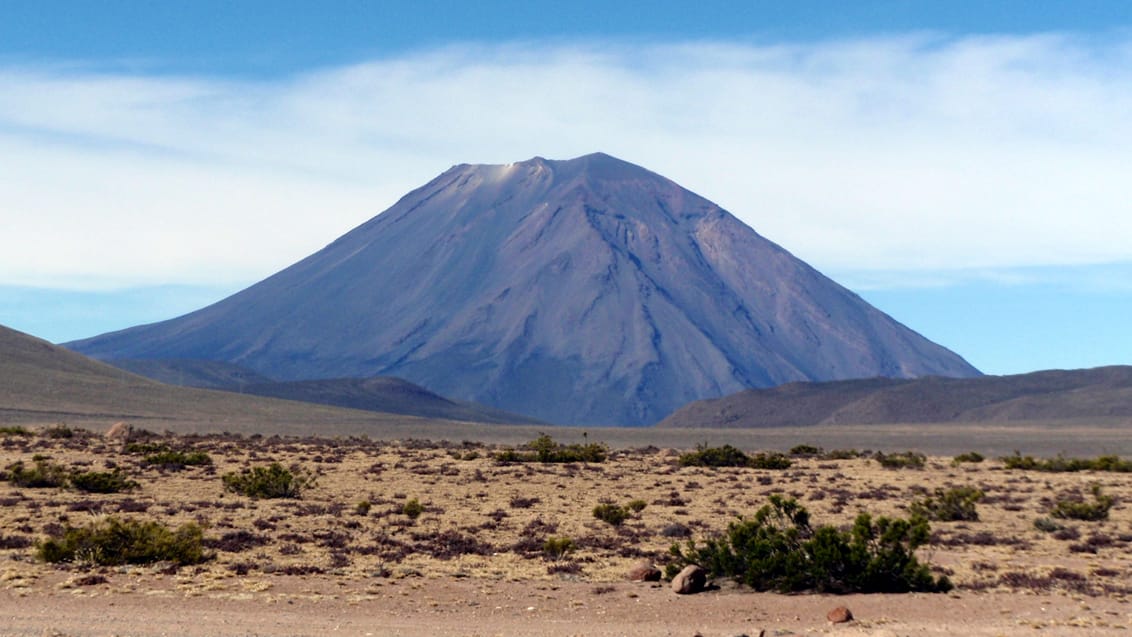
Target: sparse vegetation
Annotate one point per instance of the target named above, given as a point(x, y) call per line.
point(1075, 508)
point(545, 449)
point(972, 457)
point(1061, 464)
point(949, 505)
point(44, 475)
point(610, 513)
point(901, 460)
point(412, 509)
point(115, 481)
point(112, 541)
point(15, 431)
point(557, 548)
point(728, 456)
point(779, 550)
point(272, 481)
point(177, 459)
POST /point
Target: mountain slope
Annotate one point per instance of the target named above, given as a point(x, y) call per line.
point(1104, 392)
point(588, 291)
point(42, 383)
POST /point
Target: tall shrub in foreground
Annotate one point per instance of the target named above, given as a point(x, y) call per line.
point(112, 542)
point(778, 549)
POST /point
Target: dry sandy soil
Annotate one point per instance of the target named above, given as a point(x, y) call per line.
point(473, 562)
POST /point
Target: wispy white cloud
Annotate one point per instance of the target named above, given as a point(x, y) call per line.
point(919, 153)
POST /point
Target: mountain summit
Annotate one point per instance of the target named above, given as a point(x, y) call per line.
point(587, 291)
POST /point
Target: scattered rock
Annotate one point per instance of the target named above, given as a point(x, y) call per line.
point(690, 580)
point(644, 571)
point(839, 615)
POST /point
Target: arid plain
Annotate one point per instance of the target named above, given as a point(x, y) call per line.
point(347, 556)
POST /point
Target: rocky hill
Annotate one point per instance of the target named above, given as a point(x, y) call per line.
point(1101, 393)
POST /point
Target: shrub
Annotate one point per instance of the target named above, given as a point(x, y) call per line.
point(613, 514)
point(14, 431)
point(806, 451)
point(775, 461)
point(901, 460)
point(1061, 464)
point(272, 481)
point(779, 550)
point(59, 431)
point(636, 506)
point(725, 456)
point(362, 508)
point(970, 456)
point(545, 449)
point(1046, 525)
point(44, 475)
point(112, 542)
point(1075, 509)
point(114, 481)
point(413, 509)
point(949, 505)
point(177, 460)
point(556, 548)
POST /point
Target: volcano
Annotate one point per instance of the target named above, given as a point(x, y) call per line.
point(585, 291)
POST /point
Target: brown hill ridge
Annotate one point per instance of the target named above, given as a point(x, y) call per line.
point(379, 393)
point(1102, 393)
point(43, 383)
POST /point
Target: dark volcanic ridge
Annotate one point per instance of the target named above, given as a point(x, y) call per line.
point(588, 291)
point(380, 393)
point(1100, 393)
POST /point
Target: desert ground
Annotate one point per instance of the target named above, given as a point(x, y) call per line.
point(347, 557)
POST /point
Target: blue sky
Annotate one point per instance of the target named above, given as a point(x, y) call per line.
point(962, 165)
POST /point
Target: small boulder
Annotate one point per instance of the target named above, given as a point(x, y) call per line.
point(644, 571)
point(839, 615)
point(690, 580)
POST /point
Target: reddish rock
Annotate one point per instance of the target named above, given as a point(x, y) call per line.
point(644, 571)
point(839, 615)
point(690, 580)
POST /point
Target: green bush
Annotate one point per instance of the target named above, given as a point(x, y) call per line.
point(114, 481)
point(556, 548)
point(59, 431)
point(272, 481)
point(806, 451)
point(636, 506)
point(1061, 464)
point(413, 509)
point(545, 449)
point(779, 550)
point(901, 460)
point(145, 447)
point(725, 456)
point(728, 456)
point(177, 459)
point(112, 542)
point(973, 457)
point(775, 461)
point(949, 505)
point(613, 514)
point(44, 475)
point(1075, 509)
point(14, 431)
point(363, 507)
point(1047, 525)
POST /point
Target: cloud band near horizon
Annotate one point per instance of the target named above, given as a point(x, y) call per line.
point(889, 155)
